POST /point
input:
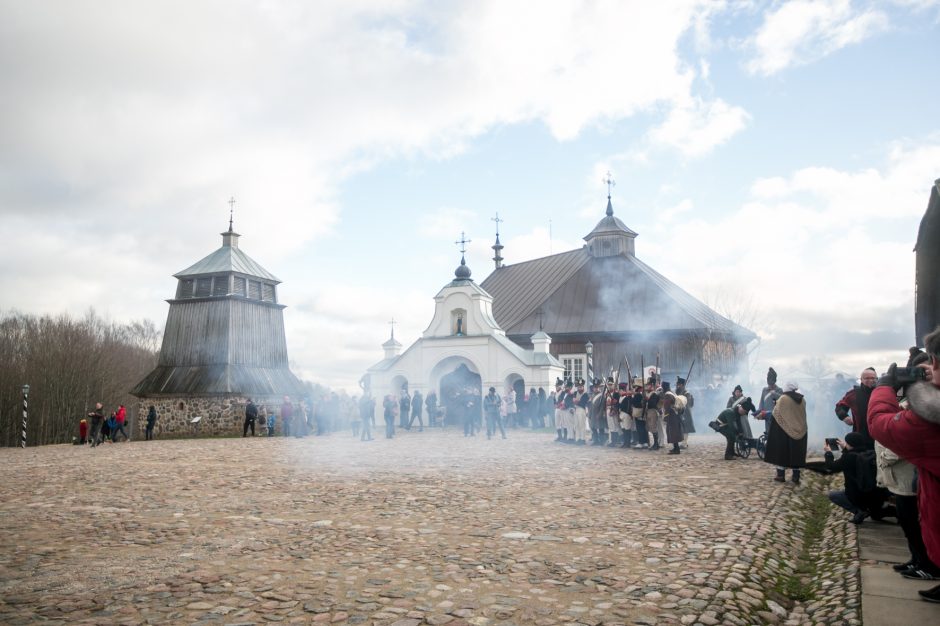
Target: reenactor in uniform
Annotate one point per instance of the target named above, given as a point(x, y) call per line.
point(598, 413)
point(612, 411)
point(581, 403)
point(688, 426)
point(561, 411)
point(651, 401)
point(639, 415)
point(625, 408)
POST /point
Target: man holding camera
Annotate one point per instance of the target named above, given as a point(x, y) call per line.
point(914, 434)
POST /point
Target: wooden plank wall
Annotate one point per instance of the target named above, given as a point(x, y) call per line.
point(207, 332)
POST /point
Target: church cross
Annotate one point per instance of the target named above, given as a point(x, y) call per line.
point(392, 324)
point(539, 313)
point(609, 181)
point(231, 212)
point(462, 242)
point(497, 220)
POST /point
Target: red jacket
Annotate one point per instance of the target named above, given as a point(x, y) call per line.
point(914, 434)
point(121, 415)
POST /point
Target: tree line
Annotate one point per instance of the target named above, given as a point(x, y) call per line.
point(69, 363)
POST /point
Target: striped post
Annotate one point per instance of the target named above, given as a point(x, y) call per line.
point(589, 349)
point(25, 413)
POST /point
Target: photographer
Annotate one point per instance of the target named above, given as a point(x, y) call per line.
point(862, 497)
point(914, 434)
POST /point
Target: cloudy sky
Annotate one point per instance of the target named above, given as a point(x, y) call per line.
point(775, 157)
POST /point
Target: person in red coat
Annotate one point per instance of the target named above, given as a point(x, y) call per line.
point(856, 401)
point(914, 434)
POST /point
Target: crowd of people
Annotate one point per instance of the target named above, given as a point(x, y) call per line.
point(889, 462)
point(94, 429)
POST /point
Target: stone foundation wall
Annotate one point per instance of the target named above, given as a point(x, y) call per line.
point(221, 415)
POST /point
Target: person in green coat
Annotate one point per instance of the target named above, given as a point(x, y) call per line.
point(728, 424)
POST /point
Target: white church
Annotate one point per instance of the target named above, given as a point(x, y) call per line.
point(463, 351)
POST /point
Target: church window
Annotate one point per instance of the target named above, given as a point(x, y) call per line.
point(574, 365)
point(240, 288)
point(203, 287)
point(185, 289)
point(220, 286)
point(267, 292)
point(254, 290)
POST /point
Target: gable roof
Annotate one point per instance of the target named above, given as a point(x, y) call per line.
point(578, 293)
point(224, 260)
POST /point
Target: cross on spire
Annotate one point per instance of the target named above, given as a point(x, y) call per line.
point(539, 313)
point(497, 220)
point(462, 242)
point(231, 212)
point(610, 182)
point(392, 324)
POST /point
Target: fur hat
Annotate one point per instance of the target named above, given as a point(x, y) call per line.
point(748, 405)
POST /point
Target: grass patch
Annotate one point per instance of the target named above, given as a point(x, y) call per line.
point(814, 511)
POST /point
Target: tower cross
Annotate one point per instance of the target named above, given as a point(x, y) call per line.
point(392, 324)
point(462, 242)
point(231, 212)
point(497, 220)
point(610, 182)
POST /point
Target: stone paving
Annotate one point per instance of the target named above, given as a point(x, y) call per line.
point(427, 528)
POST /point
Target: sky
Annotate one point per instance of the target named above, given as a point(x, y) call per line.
point(774, 157)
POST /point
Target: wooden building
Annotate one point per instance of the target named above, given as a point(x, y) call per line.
point(224, 342)
point(603, 295)
point(927, 273)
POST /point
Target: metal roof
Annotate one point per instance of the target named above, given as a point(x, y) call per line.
point(578, 293)
point(225, 260)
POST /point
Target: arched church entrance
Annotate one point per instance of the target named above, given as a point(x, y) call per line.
point(399, 385)
point(461, 395)
point(517, 384)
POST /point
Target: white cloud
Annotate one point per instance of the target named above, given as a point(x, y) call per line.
point(695, 126)
point(803, 31)
point(446, 222)
point(822, 251)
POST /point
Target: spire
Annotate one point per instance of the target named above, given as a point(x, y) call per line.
point(230, 237)
point(462, 272)
point(610, 182)
point(610, 237)
point(497, 247)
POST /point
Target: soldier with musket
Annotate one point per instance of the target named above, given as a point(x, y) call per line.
point(624, 408)
point(612, 412)
point(581, 403)
point(638, 408)
point(597, 413)
point(651, 401)
point(688, 426)
point(562, 400)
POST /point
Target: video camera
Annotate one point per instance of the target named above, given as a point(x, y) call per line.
point(908, 375)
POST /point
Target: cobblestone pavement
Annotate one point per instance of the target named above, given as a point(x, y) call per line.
point(428, 528)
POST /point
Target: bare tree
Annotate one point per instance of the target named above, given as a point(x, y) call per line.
point(69, 365)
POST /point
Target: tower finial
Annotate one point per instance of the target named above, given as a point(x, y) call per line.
point(231, 213)
point(392, 324)
point(498, 247)
point(462, 272)
point(610, 182)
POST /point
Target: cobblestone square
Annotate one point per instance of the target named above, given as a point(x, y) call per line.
point(427, 528)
